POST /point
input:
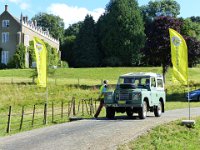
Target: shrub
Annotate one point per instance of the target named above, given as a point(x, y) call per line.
point(112, 61)
point(64, 64)
point(2, 66)
point(19, 56)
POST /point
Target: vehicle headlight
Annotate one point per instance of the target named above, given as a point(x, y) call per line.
point(136, 96)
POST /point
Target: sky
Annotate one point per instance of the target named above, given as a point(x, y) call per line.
point(72, 11)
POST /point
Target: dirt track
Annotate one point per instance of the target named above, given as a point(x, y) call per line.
point(90, 134)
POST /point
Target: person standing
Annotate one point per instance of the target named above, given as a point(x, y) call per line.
point(103, 89)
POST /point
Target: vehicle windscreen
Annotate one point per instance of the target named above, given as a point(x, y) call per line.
point(134, 82)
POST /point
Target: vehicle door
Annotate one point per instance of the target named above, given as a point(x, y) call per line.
point(160, 88)
point(154, 95)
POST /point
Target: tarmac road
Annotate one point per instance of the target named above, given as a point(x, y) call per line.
point(91, 134)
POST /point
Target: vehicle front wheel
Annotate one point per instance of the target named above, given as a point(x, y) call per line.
point(158, 110)
point(143, 111)
point(110, 112)
point(129, 112)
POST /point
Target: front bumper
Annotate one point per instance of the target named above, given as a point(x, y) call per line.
point(123, 105)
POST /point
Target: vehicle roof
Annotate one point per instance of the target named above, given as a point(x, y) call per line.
point(143, 74)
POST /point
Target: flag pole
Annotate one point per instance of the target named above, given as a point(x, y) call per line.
point(188, 97)
point(47, 92)
point(189, 123)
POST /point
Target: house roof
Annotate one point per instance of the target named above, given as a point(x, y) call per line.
point(7, 12)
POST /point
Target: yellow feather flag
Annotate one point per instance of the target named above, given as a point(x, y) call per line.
point(179, 57)
point(41, 61)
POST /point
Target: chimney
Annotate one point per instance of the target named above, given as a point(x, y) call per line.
point(35, 23)
point(21, 18)
point(6, 7)
point(26, 18)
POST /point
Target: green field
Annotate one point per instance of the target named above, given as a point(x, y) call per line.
point(171, 136)
point(17, 88)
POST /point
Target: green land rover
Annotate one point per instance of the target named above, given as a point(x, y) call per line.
point(136, 93)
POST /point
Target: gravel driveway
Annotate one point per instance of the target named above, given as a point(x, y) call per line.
point(89, 134)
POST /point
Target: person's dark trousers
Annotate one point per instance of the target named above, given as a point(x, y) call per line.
point(99, 108)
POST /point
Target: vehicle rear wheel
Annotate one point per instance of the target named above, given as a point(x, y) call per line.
point(198, 98)
point(129, 112)
point(158, 110)
point(110, 112)
point(143, 111)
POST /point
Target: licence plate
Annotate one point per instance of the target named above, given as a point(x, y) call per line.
point(121, 102)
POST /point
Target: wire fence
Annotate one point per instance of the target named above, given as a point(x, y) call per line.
point(51, 113)
point(54, 112)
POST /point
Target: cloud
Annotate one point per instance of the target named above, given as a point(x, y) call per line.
point(73, 14)
point(15, 1)
point(22, 4)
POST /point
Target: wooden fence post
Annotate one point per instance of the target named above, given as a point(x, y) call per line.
point(95, 105)
point(86, 107)
point(45, 113)
point(74, 107)
point(90, 105)
point(62, 109)
point(52, 112)
point(22, 118)
point(9, 120)
point(79, 106)
point(33, 117)
point(70, 108)
point(82, 107)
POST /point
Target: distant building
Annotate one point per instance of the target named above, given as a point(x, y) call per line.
point(14, 31)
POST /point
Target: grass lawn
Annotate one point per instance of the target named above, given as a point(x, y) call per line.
point(171, 136)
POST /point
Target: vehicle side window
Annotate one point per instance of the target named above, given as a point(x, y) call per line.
point(160, 83)
point(143, 81)
point(137, 82)
point(153, 82)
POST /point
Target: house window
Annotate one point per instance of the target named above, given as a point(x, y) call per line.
point(5, 37)
point(5, 23)
point(4, 57)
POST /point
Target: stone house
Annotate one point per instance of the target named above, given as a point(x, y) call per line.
point(14, 31)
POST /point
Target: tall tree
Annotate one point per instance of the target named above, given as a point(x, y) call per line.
point(157, 49)
point(195, 19)
point(73, 30)
point(190, 28)
point(69, 39)
point(121, 33)
point(85, 47)
point(54, 24)
point(193, 51)
point(160, 8)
